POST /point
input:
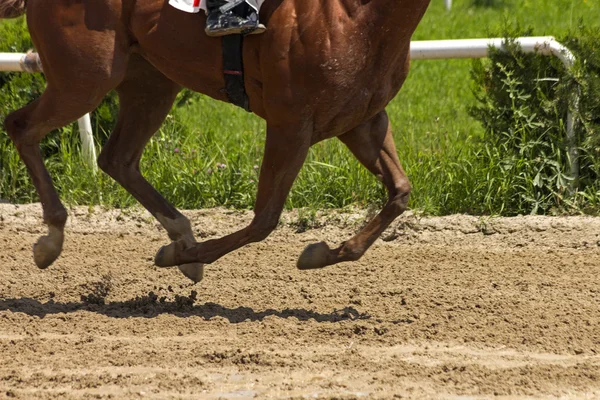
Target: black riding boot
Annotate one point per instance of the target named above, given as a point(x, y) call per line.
point(223, 19)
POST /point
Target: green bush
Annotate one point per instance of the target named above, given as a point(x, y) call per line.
point(586, 79)
point(523, 101)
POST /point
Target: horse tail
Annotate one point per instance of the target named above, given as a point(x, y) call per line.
point(12, 8)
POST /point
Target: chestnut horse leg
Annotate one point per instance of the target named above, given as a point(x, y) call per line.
point(145, 99)
point(26, 128)
point(373, 145)
point(81, 66)
point(285, 151)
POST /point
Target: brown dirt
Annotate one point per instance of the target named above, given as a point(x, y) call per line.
point(454, 307)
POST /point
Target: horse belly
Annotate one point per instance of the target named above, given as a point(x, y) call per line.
point(361, 96)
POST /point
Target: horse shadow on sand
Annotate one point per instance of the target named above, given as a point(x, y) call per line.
point(150, 305)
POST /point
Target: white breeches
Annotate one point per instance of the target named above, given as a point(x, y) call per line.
point(194, 6)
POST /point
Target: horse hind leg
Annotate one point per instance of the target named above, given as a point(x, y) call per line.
point(373, 145)
point(145, 99)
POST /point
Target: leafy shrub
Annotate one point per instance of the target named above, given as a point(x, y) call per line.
point(585, 79)
point(523, 101)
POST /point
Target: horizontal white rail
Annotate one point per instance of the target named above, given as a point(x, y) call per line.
point(11, 61)
point(30, 62)
point(480, 48)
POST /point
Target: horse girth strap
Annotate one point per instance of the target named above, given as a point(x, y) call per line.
point(233, 71)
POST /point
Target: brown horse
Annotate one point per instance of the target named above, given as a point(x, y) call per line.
point(324, 69)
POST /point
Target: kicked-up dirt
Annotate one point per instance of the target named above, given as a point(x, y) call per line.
point(454, 307)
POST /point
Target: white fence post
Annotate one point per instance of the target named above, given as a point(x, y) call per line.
point(448, 4)
point(88, 149)
point(30, 62)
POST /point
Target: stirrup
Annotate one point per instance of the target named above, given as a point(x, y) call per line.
point(228, 23)
point(218, 31)
point(258, 29)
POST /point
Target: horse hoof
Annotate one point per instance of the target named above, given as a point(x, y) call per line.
point(195, 271)
point(166, 256)
point(46, 251)
point(314, 256)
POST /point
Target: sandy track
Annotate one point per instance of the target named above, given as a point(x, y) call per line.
point(442, 308)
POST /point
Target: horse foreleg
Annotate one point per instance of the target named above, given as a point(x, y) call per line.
point(373, 145)
point(285, 152)
point(26, 128)
point(145, 99)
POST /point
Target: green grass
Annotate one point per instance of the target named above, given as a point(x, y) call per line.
point(208, 152)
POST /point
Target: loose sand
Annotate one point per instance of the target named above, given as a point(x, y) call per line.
point(454, 307)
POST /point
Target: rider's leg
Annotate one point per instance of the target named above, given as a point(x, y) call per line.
point(240, 18)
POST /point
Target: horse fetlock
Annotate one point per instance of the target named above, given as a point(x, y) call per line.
point(351, 252)
point(178, 228)
point(262, 231)
point(398, 204)
point(168, 255)
point(14, 126)
point(56, 219)
point(314, 256)
point(48, 248)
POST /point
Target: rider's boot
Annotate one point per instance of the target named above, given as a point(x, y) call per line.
point(241, 19)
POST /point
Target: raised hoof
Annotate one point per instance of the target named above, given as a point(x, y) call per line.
point(195, 271)
point(166, 256)
point(46, 251)
point(314, 256)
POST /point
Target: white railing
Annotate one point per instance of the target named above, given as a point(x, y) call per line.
point(420, 50)
point(30, 62)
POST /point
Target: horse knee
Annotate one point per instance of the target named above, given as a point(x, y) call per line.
point(25, 128)
point(115, 168)
point(15, 125)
